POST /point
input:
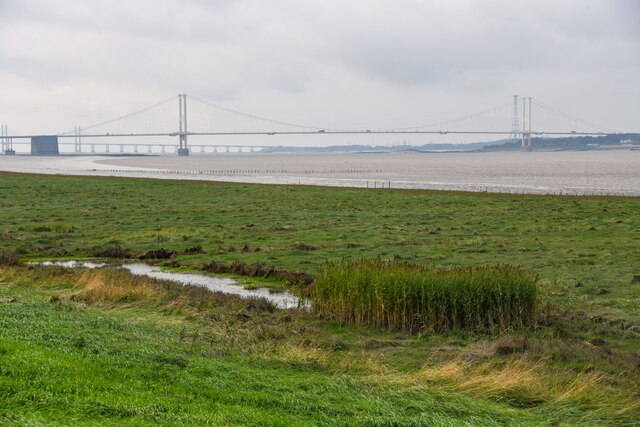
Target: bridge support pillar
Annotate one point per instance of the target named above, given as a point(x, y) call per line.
point(7, 143)
point(183, 150)
point(77, 140)
point(526, 135)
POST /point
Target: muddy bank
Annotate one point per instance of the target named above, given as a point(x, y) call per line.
point(240, 268)
point(224, 285)
point(260, 270)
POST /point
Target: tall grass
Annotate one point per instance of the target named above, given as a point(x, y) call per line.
point(411, 297)
point(9, 257)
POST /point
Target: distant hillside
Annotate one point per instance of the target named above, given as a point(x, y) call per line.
point(579, 143)
point(358, 148)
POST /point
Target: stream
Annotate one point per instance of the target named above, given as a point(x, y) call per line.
point(225, 285)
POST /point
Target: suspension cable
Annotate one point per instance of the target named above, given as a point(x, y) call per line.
point(571, 117)
point(126, 116)
point(254, 117)
point(458, 119)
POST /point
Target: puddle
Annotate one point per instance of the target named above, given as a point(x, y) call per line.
point(70, 264)
point(217, 284)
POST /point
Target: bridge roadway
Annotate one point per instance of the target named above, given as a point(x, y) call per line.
point(321, 132)
point(226, 148)
point(114, 147)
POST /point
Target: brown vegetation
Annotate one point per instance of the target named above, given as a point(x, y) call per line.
point(260, 270)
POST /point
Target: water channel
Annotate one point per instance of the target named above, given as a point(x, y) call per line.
point(224, 285)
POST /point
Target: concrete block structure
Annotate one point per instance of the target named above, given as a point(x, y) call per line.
point(44, 145)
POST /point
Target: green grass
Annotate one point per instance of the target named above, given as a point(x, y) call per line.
point(585, 249)
point(415, 298)
point(89, 348)
point(107, 348)
point(163, 361)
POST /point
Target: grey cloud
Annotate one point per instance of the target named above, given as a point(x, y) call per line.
point(352, 59)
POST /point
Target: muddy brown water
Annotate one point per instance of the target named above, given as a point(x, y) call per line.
point(567, 172)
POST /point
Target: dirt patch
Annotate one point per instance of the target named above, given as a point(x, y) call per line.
point(510, 344)
point(161, 253)
point(111, 251)
point(598, 342)
point(303, 247)
point(194, 250)
point(260, 270)
point(376, 344)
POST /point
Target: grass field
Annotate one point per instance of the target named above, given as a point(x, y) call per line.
point(107, 348)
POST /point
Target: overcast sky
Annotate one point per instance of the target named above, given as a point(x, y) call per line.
point(359, 63)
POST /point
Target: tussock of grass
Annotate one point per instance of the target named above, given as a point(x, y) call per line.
point(114, 286)
point(120, 287)
point(9, 257)
point(515, 382)
point(523, 383)
point(111, 251)
point(411, 297)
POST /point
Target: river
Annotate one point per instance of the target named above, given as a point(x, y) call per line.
point(606, 172)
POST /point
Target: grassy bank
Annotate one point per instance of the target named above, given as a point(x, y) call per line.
point(585, 249)
point(102, 347)
point(108, 348)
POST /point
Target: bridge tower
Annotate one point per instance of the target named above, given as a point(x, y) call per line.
point(515, 128)
point(183, 150)
point(529, 134)
point(526, 135)
point(7, 143)
point(77, 141)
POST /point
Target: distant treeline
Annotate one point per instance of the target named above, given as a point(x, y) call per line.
point(571, 143)
point(359, 148)
point(563, 143)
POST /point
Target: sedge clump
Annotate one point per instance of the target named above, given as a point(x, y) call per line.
point(414, 298)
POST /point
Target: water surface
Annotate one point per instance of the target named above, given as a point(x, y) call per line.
point(216, 284)
point(567, 172)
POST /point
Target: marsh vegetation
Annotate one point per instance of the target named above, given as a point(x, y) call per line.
point(415, 298)
point(554, 339)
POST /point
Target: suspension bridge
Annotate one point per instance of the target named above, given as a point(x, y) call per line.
point(197, 117)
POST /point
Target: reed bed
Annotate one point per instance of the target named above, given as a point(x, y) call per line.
point(415, 298)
